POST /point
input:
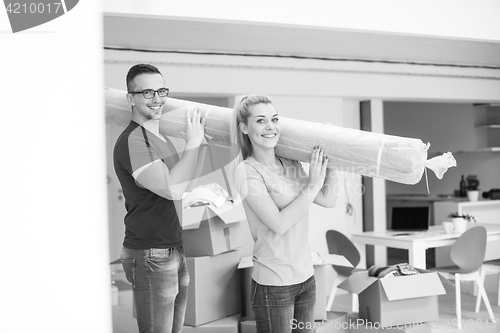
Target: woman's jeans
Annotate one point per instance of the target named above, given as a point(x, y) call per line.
point(280, 309)
point(159, 280)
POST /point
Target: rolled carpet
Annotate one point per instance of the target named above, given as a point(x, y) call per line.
point(394, 158)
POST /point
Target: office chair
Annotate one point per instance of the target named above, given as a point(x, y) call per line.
point(489, 267)
point(467, 254)
point(339, 244)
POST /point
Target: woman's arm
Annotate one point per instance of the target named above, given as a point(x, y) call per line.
point(327, 197)
point(255, 194)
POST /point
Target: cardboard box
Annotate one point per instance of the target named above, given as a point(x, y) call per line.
point(214, 288)
point(246, 266)
point(208, 230)
point(319, 262)
point(335, 322)
point(248, 326)
point(225, 325)
point(397, 300)
point(320, 311)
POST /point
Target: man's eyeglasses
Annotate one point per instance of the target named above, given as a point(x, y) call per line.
point(150, 93)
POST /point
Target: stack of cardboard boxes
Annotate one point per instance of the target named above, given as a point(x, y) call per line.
point(212, 237)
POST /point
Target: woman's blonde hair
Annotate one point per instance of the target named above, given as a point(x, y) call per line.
point(241, 112)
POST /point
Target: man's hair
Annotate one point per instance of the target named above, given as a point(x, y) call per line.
point(139, 69)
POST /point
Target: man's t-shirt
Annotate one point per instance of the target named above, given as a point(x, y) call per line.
point(151, 221)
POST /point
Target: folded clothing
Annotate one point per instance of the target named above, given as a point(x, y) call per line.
point(210, 194)
point(391, 271)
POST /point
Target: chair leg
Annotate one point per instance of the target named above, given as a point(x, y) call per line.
point(458, 307)
point(478, 298)
point(485, 297)
point(498, 294)
point(355, 304)
point(473, 291)
point(329, 304)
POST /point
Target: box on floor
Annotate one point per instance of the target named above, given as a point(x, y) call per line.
point(248, 326)
point(208, 230)
point(319, 262)
point(225, 325)
point(245, 266)
point(214, 288)
point(335, 322)
point(398, 300)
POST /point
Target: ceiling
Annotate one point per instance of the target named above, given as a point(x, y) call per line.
point(187, 35)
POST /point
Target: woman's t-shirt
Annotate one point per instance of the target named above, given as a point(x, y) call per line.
point(279, 260)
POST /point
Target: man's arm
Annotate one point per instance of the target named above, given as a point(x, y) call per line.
point(172, 184)
point(202, 152)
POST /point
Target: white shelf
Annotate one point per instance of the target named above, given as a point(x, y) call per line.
point(468, 151)
point(480, 203)
point(479, 150)
point(491, 126)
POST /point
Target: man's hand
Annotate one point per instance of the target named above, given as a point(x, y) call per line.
point(195, 129)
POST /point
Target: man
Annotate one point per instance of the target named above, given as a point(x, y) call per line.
point(153, 179)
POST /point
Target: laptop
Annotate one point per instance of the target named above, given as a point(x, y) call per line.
point(410, 219)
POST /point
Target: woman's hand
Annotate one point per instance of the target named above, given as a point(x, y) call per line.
point(317, 169)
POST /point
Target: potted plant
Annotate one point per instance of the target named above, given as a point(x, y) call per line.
point(472, 187)
point(460, 221)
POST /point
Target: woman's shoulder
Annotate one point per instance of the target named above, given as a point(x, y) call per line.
point(246, 171)
point(248, 166)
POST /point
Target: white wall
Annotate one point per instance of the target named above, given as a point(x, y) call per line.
point(55, 273)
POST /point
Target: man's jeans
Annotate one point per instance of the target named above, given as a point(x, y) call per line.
point(159, 280)
point(280, 309)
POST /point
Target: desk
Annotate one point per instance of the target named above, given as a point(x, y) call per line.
point(416, 243)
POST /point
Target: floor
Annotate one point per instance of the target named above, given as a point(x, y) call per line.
point(123, 322)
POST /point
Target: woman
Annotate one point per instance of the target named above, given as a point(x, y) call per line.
point(276, 194)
